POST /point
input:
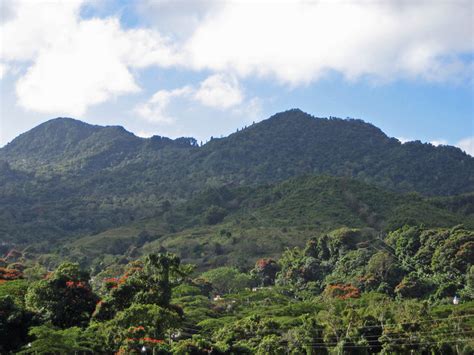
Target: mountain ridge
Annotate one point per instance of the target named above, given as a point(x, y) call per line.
point(287, 144)
point(293, 114)
point(86, 179)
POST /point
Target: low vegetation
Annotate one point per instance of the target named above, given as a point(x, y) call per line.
point(348, 291)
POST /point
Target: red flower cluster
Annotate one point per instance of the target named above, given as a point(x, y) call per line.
point(342, 291)
point(10, 274)
point(111, 280)
point(123, 279)
point(76, 284)
point(262, 263)
point(114, 282)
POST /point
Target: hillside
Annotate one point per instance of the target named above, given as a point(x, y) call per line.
point(237, 226)
point(277, 239)
point(67, 178)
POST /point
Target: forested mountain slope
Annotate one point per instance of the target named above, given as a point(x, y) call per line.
point(66, 177)
point(236, 226)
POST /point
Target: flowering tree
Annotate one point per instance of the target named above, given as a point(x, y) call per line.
point(147, 282)
point(139, 325)
point(342, 291)
point(265, 270)
point(64, 297)
point(7, 274)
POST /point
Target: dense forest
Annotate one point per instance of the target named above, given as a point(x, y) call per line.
point(348, 291)
point(68, 178)
point(295, 235)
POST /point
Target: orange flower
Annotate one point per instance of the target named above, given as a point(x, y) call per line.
point(342, 291)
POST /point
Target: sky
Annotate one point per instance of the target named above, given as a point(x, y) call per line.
point(205, 68)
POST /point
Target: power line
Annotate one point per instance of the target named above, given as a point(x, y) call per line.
point(377, 337)
point(379, 343)
point(426, 333)
point(393, 254)
point(434, 320)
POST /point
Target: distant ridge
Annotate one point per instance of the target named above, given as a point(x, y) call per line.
point(287, 144)
point(66, 177)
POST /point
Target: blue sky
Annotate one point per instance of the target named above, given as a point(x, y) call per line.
point(206, 68)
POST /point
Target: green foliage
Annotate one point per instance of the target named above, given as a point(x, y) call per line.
point(16, 289)
point(214, 214)
point(295, 316)
point(49, 340)
point(325, 216)
point(14, 324)
point(65, 298)
point(265, 271)
point(195, 346)
point(139, 321)
point(246, 333)
point(227, 279)
point(67, 178)
point(147, 282)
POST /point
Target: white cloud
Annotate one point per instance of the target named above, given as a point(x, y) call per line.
point(251, 110)
point(144, 134)
point(3, 70)
point(299, 41)
point(437, 142)
point(154, 110)
point(467, 145)
point(404, 139)
point(33, 26)
point(176, 18)
point(219, 91)
point(76, 63)
point(80, 71)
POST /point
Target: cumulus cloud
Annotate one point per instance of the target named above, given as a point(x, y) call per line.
point(299, 41)
point(3, 70)
point(467, 145)
point(80, 71)
point(154, 110)
point(144, 134)
point(437, 142)
point(33, 26)
point(177, 18)
point(73, 63)
point(219, 91)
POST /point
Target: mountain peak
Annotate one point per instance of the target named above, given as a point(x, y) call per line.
point(57, 138)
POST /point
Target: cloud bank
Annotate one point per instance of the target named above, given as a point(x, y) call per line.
point(467, 145)
point(218, 91)
point(72, 63)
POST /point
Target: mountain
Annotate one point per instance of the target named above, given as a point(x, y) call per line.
point(293, 143)
point(68, 178)
point(287, 144)
point(238, 225)
point(65, 144)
